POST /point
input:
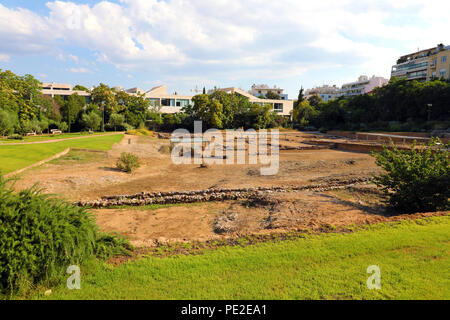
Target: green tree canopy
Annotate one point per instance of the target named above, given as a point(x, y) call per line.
point(273, 95)
point(91, 121)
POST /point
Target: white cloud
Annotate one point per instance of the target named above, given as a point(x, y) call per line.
point(74, 58)
point(22, 31)
point(235, 39)
point(79, 70)
point(4, 58)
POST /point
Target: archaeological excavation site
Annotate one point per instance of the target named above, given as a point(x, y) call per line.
point(323, 183)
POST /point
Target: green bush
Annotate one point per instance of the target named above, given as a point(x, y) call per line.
point(41, 236)
point(112, 244)
point(139, 132)
point(417, 179)
point(127, 162)
point(15, 137)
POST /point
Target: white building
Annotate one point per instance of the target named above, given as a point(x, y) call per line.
point(263, 89)
point(362, 86)
point(173, 103)
point(169, 103)
point(63, 90)
point(282, 107)
point(325, 92)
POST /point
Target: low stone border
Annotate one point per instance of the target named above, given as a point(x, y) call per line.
point(206, 195)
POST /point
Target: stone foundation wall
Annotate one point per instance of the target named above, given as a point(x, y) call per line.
point(173, 197)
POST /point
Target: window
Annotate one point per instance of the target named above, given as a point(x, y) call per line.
point(442, 72)
point(168, 102)
point(278, 107)
point(182, 102)
point(154, 102)
point(433, 74)
point(444, 59)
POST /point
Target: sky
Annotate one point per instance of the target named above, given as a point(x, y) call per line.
point(188, 45)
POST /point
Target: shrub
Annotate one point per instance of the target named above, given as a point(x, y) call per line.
point(15, 137)
point(112, 244)
point(140, 132)
point(127, 162)
point(41, 236)
point(417, 179)
point(128, 127)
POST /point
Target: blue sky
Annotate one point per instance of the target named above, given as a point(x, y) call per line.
point(189, 44)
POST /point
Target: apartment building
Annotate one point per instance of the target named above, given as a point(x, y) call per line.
point(362, 86)
point(439, 66)
point(325, 92)
point(263, 89)
point(282, 107)
point(424, 65)
point(169, 103)
point(62, 90)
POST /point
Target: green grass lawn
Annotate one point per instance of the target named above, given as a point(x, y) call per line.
point(52, 137)
point(19, 156)
point(413, 257)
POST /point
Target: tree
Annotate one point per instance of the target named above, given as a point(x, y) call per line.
point(200, 106)
point(303, 114)
point(81, 88)
point(214, 115)
point(44, 124)
point(315, 100)
point(116, 120)
point(416, 179)
point(7, 122)
point(136, 110)
point(105, 97)
point(72, 109)
point(91, 121)
point(20, 94)
point(204, 90)
point(273, 95)
point(51, 107)
point(63, 126)
point(36, 126)
point(300, 98)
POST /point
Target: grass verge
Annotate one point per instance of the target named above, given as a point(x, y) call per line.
point(47, 137)
point(19, 156)
point(413, 256)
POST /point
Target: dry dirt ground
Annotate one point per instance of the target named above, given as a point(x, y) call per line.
point(96, 176)
point(89, 180)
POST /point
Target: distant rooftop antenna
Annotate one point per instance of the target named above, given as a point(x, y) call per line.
point(196, 90)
